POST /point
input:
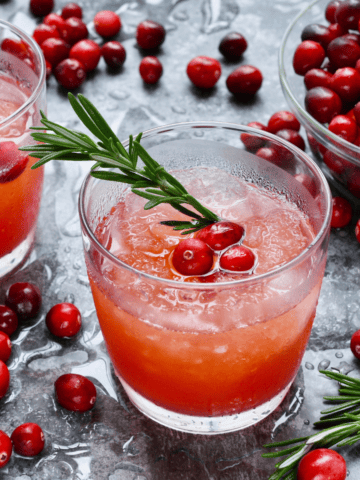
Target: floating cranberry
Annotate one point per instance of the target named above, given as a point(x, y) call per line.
point(150, 35)
point(8, 320)
point(13, 162)
point(192, 257)
point(24, 299)
point(74, 30)
point(70, 73)
point(4, 379)
point(346, 83)
point(283, 119)
point(107, 23)
point(357, 231)
point(64, 320)
point(221, 235)
point(150, 69)
point(318, 33)
point(322, 464)
point(232, 46)
point(87, 52)
point(238, 259)
point(55, 50)
point(75, 392)
point(270, 154)
point(5, 449)
point(5, 347)
point(28, 439)
point(43, 31)
point(323, 104)
point(347, 14)
point(292, 136)
point(317, 77)
point(40, 8)
point(308, 55)
point(55, 20)
point(114, 54)
point(203, 71)
point(71, 10)
point(331, 10)
point(343, 52)
point(253, 142)
point(344, 127)
point(244, 80)
point(341, 213)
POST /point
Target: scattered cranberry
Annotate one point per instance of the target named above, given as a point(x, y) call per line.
point(28, 439)
point(107, 23)
point(344, 127)
point(355, 344)
point(74, 30)
point(244, 80)
point(55, 20)
point(5, 449)
point(322, 464)
point(5, 347)
point(150, 69)
point(8, 320)
point(43, 31)
point(253, 142)
point(150, 35)
point(114, 54)
point(221, 235)
point(323, 104)
point(342, 212)
point(283, 119)
point(203, 71)
point(13, 162)
point(331, 10)
point(292, 136)
point(71, 10)
point(63, 320)
point(4, 379)
point(70, 73)
point(357, 231)
point(347, 14)
point(343, 52)
point(238, 259)
point(318, 33)
point(24, 298)
point(317, 77)
point(87, 52)
point(346, 83)
point(75, 392)
point(232, 46)
point(40, 8)
point(308, 55)
point(55, 50)
point(192, 257)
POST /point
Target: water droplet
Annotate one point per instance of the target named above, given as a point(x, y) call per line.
point(70, 298)
point(345, 368)
point(309, 366)
point(77, 265)
point(199, 133)
point(306, 422)
point(177, 109)
point(67, 249)
point(339, 355)
point(83, 280)
point(119, 94)
point(324, 364)
point(182, 16)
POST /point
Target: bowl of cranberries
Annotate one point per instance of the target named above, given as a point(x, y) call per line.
point(319, 66)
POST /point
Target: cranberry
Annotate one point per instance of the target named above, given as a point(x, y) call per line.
point(43, 31)
point(5, 347)
point(253, 142)
point(323, 104)
point(70, 73)
point(292, 136)
point(341, 213)
point(19, 48)
point(317, 77)
point(63, 320)
point(318, 33)
point(244, 80)
point(40, 8)
point(48, 69)
point(28, 439)
point(55, 50)
point(322, 464)
point(150, 69)
point(238, 259)
point(114, 54)
point(283, 119)
point(74, 30)
point(348, 14)
point(4, 379)
point(336, 30)
point(75, 392)
point(71, 10)
point(203, 71)
point(107, 23)
point(355, 343)
point(356, 111)
point(270, 154)
point(308, 182)
point(357, 231)
point(352, 36)
point(8, 320)
point(233, 45)
point(344, 127)
point(346, 83)
point(334, 162)
point(221, 235)
point(5, 449)
point(150, 35)
point(13, 162)
point(55, 20)
point(353, 182)
point(331, 10)
point(87, 52)
point(192, 257)
point(343, 52)
point(24, 298)
point(308, 55)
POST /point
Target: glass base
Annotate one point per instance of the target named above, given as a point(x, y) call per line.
point(15, 259)
point(203, 425)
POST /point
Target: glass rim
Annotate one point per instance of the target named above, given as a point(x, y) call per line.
point(41, 80)
point(244, 279)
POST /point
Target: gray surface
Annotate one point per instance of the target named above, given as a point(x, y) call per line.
point(114, 441)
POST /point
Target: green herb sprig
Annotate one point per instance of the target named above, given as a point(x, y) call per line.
point(345, 429)
point(150, 181)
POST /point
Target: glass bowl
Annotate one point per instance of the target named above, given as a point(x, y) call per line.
point(339, 159)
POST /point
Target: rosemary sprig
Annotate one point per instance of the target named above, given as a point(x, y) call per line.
point(150, 181)
point(345, 429)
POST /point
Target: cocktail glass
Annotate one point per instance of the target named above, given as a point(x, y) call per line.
point(22, 96)
point(210, 357)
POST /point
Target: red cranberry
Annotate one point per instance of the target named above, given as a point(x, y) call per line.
point(5, 449)
point(322, 464)
point(114, 54)
point(308, 55)
point(357, 231)
point(24, 298)
point(331, 10)
point(43, 31)
point(253, 142)
point(55, 50)
point(336, 30)
point(18, 48)
point(318, 33)
point(4, 379)
point(344, 127)
point(270, 154)
point(192, 257)
point(283, 119)
point(343, 52)
point(352, 36)
point(308, 182)
point(244, 80)
point(70, 73)
point(238, 259)
point(203, 71)
point(353, 182)
point(55, 20)
point(74, 30)
point(342, 212)
point(150, 35)
point(71, 10)
point(107, 23)
point(346, 83)
point(150, 69)
point(13, 162)
point(323, 104)
point(40, 8)
point(233, 45)
point(292, 136)
point(48, 69)
point(75, 392)
point(87, 52)
point(356, 111)
point(348, 14)
point(355, 341)
point(221, 235)
point(5, 347)
point(317, 77)
point(8, 320)
point(28, 439)
point(63, 320)
point(334, 162)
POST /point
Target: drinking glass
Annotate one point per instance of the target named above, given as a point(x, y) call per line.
point(205, 357)
point(22, 96)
